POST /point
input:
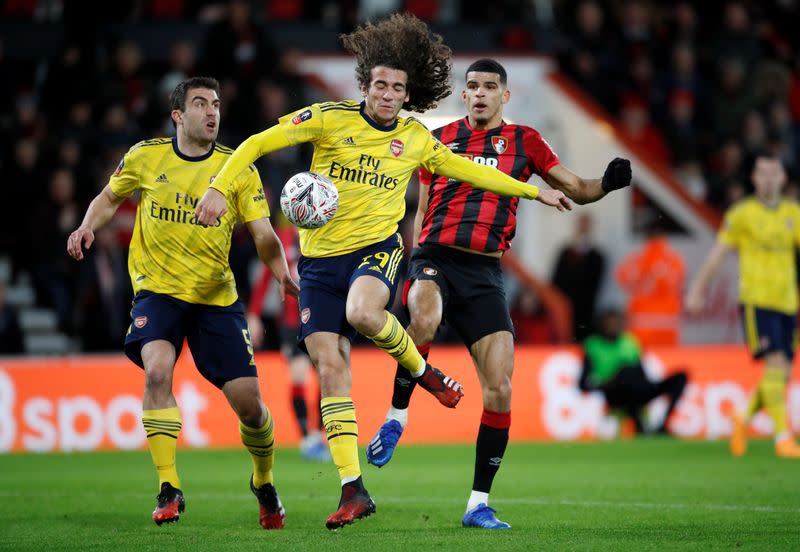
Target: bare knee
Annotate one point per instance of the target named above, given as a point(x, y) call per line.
point(158, 378)
point(251, 413)
point(423, 327)
point(497, 394)
point(364, 318)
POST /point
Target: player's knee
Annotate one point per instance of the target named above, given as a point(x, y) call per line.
point(252, 413)
point(497, 392)
point(158, 378)
point(423, 328)
point(366, 321)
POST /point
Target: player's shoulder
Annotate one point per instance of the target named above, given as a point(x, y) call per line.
point(745, 206)
point(147, 146)
point(338, 107)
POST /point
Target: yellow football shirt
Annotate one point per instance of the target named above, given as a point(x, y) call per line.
point(169, 252)
point(766, 239)
point(370, 165)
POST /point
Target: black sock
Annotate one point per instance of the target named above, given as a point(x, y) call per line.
point(300, 408)
point(490, 448)
point(404, 384)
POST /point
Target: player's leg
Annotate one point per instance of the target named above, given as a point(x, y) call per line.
point(330, 353)
point(672, 386)
point(424, 302)
point(220, 343)
point(256, 429)
point(493, 356)
point(153, 342)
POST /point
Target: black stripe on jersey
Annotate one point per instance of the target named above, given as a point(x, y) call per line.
point(449, 191)
point(503, 212)
point(474, 202)
point(356, 109)
point(153, 142)
point(223, 149)
point(345, 106)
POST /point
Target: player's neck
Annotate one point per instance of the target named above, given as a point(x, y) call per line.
point(771, 202)
point(494, 122)
point(192, 148)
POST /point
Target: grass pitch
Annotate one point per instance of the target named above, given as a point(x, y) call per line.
point(649, 494)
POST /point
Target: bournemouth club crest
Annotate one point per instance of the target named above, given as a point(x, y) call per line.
point(500, 144)
point(396, 147)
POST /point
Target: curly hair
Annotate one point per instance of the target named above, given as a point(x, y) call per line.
point(404, 42)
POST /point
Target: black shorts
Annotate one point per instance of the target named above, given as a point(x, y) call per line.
point(473, 293)
point(218, 336)
point(768, 331)
point(325, 283)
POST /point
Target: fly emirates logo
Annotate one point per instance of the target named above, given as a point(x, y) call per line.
point(367, 172)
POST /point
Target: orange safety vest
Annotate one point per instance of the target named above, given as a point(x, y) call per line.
point(653, 278)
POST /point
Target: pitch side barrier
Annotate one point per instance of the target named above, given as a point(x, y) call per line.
point(94, 402)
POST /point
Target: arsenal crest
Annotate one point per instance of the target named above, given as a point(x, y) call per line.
point(396, 147)
point(500, 144)
point(140, 322)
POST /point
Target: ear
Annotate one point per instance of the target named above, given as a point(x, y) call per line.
point(363, 91)
point(176, 116)
point(464, 96)
point(506, 96)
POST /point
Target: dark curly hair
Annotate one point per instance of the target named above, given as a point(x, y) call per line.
point(404, 42)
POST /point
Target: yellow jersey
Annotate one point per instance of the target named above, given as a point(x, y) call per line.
point(169, 252)
point(766, 239)
point(370, 166)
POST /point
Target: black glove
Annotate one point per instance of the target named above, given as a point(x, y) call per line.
point(617, 175)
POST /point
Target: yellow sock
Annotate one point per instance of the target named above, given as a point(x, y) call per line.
point(162, 427)
point(339, 419)
point(395, 340)
point(259, 442)
point(773, 394)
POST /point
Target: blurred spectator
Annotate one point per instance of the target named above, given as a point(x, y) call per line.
point(52, 222)
point(11, 339)
point(27, 182)
point(104, 294)
point(737, 37)
point(636, 127)
point(612, 363)
point(583, 68)
point(653, 279)
point(69, 79)
point(682, 134)
point(732, 98)
point(127, 84)
point(579, 274)
point(690, 175)
point(531, 322)
point(727, 174)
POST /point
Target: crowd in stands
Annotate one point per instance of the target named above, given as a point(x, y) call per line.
point(701, 86)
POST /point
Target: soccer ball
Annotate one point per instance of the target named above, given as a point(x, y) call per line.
point(309, 200)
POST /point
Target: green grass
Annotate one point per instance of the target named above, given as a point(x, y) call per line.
point(650, 494)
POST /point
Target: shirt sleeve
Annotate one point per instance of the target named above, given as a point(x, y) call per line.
point(541, 157)
point(730, 233)
point(125, 179)
point(434, 153)
point(251, 203)
point(304, 125)
point(425, 177)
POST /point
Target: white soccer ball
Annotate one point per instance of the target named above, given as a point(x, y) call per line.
point(309, 200)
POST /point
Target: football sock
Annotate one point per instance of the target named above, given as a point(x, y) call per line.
point(404, 385)
point(398, 414)
point(259, 442)
point(475, 498)
point(298, 395)
point(339, 418)
point(490, 447)
point(395, 341)
point(773, 394)
point(162, 427)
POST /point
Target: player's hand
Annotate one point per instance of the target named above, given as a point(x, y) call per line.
point(618, 175)
point(256, 327)
point(694, 301)
point(288, 287)
point(82, 237)
point(211, 207)
point(554, 198)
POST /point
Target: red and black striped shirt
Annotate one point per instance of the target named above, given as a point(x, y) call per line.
point(461, 215)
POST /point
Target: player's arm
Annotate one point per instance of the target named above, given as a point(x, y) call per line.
point(695, 297)
point(492, 180)
point(253, 315)
point(213, 204)
point(583, 190)
point(270, 251)
point(422, 205)
point(100, 211)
